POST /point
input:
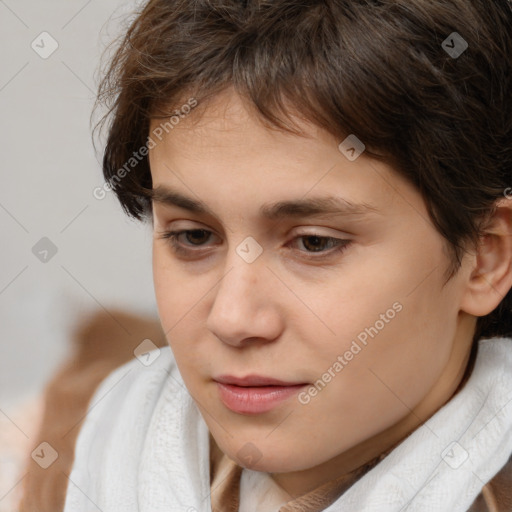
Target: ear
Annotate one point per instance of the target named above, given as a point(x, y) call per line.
point(491, 277)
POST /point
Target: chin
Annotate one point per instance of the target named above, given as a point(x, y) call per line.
point(267, 458)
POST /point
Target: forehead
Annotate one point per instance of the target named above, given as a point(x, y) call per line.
point(227, 156)
point(229, 120)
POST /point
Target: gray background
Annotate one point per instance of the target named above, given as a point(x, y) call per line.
point(49, 170)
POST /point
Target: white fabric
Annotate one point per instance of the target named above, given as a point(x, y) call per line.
point(260, 493)
point(144, 446)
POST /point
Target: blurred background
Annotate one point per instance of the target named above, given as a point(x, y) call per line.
point(64, 252)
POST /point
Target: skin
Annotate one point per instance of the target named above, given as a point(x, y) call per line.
point(288, 315)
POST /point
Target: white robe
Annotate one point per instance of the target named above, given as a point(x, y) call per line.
point(144, 446)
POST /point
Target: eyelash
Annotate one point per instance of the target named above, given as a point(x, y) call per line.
point(172, 236)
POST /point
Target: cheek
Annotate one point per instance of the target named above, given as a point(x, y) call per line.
point(376, 383)
point(180, 301)
point(175, 290)
point(165, 289)
point(393, 331)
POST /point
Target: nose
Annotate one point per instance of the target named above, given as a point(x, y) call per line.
point(245, 309)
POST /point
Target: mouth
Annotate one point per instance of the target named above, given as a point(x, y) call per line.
point(255, 394)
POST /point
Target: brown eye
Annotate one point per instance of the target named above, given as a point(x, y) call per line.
point(194, 239)
point(196, 236)
point(315, 243)
point(325, 245)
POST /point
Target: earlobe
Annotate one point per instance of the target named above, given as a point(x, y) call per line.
point(491, 278)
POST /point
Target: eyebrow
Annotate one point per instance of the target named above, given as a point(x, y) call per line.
point(315, 206)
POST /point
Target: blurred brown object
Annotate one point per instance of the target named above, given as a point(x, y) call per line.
point(101, 343)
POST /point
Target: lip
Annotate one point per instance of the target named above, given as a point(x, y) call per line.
point(254, 394)
point(254, 380)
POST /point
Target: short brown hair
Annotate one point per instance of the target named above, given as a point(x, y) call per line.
point(380, 69)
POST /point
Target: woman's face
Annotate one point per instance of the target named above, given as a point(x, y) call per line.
point(308, 267)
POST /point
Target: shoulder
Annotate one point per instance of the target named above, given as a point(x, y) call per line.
point(119, 416)
point(146, 372)
point(127, 396)
point(137, 382)
point(496, 495)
